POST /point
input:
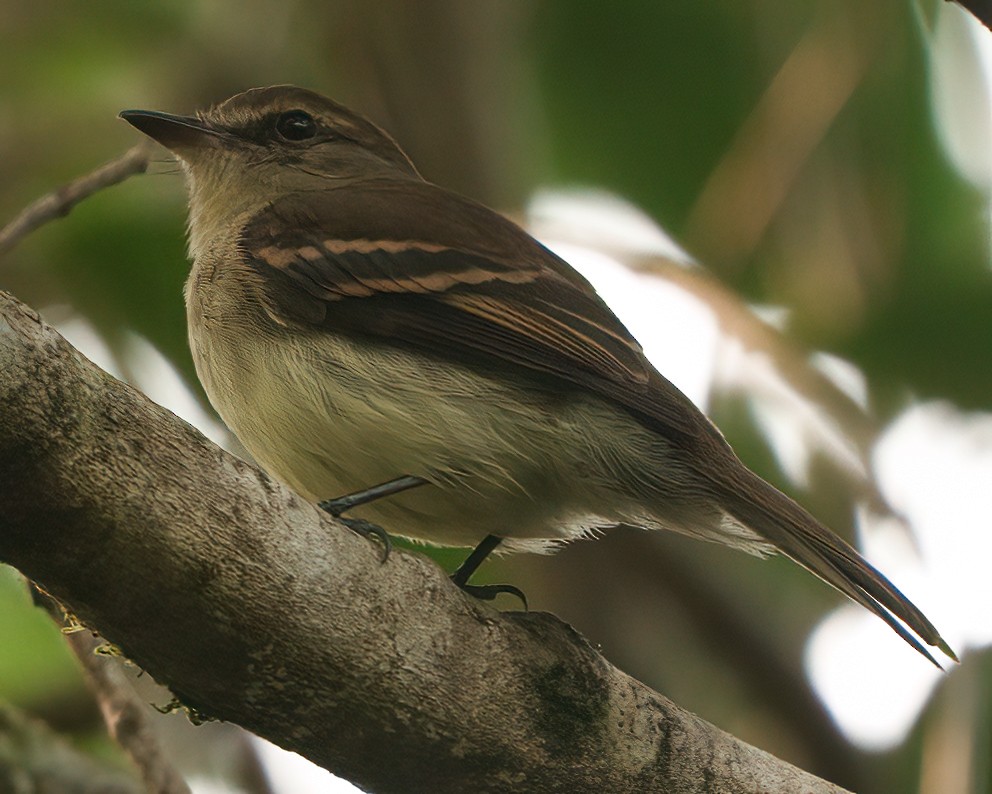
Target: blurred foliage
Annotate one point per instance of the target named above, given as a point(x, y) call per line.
point(790, 146)
point(35, 663)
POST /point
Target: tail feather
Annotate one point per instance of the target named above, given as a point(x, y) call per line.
point(798, 535)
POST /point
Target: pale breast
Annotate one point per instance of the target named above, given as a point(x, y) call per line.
point(329, 415)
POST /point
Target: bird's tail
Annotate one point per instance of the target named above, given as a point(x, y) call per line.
point(778, 519)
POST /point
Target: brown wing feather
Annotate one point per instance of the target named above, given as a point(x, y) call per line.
point(416, 265)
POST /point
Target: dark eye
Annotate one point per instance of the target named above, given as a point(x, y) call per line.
point(296, 125)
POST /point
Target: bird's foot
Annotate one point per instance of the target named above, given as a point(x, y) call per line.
point(368, 530)
point(488, 592)
point(484, 592)
point(336, 507)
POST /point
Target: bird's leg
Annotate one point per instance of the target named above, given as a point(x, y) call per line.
point(486, 592)
point(344, 503)
point(366, 528)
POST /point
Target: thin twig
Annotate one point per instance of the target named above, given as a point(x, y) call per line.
point(60, 202)
point(748, 186)
point(124, 713)
point(34, 758)
point(126, 716)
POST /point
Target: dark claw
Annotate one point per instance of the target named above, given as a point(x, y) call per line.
point(487, 592)
point(335, 506)
point(368, 530)
point(484, 592)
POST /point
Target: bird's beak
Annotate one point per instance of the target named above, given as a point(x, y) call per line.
point(177, 133)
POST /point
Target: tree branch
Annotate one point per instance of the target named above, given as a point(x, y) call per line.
point(254, 607)
point(60, 201)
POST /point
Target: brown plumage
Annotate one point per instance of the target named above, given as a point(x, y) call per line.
point(354, 323)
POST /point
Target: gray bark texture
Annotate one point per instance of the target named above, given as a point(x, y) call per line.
point(256, 608)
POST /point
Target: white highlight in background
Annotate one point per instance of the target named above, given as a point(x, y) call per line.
point(934, 464)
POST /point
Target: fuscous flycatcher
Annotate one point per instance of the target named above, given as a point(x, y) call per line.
point(356, 325)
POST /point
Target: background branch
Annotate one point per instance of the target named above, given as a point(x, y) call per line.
point(35, 759)
point(126, 716)
point(60, 202)
point(255, 608)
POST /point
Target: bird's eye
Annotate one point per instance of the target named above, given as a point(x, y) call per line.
point(296, 125)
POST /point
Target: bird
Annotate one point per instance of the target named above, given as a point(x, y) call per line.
point(367, 333)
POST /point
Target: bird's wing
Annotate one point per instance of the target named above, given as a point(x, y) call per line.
point(419, 267)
